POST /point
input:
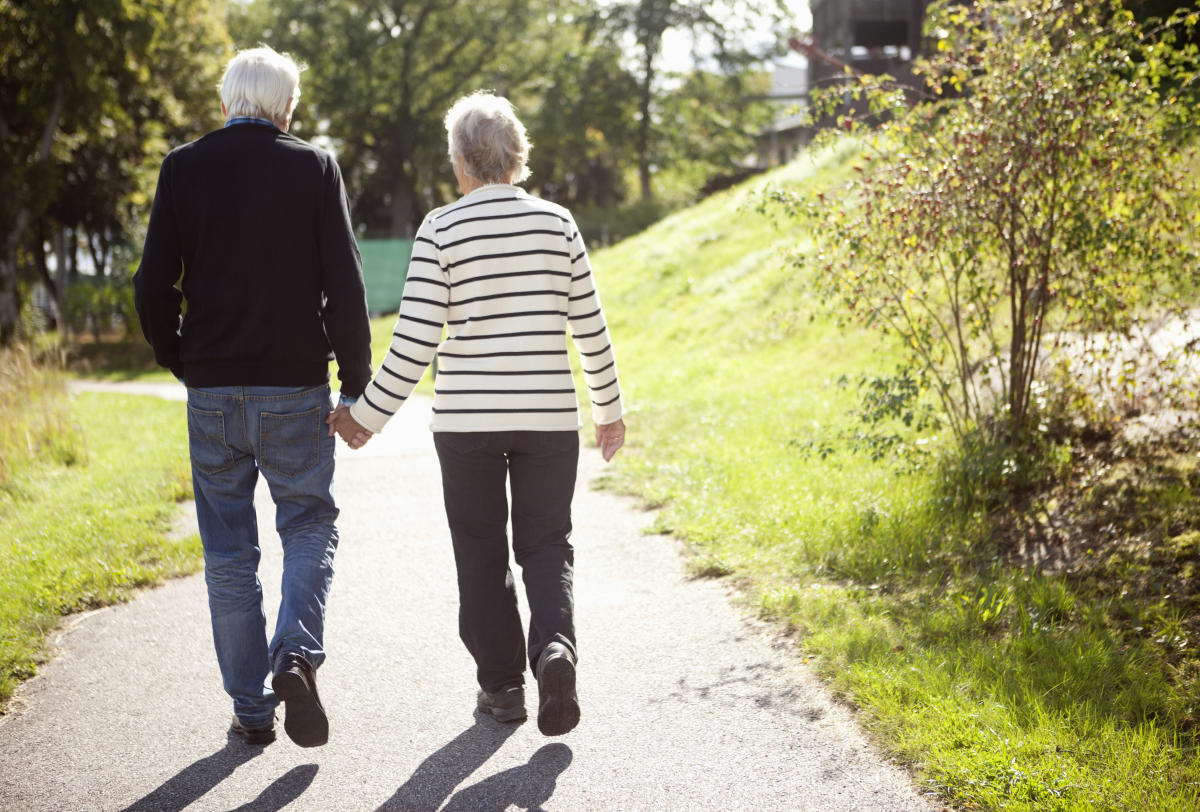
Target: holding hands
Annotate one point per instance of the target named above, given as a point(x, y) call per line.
point(609, 437)
point(341, 423)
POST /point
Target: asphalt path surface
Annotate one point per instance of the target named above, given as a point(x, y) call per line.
point(687, 703)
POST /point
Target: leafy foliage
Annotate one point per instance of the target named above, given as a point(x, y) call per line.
point(382, 75)
point(1039, 190)
point(96, 306)
point(582, 113)
point(91, 95)
point(717, 93)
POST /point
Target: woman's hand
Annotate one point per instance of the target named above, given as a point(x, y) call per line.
point(609, 438)
point(349, 429)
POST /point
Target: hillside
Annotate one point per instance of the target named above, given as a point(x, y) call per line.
point(1002, 684)
point(730, 373)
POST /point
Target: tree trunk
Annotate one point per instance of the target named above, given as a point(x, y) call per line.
point(54, 318)
point(643, 136)
point(72, 238)
point(405, 208)
point(61, 277)
point(97, 245)
point(10, 295)
point(10, 301)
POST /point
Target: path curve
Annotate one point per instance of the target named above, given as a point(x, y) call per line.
point(686, 703)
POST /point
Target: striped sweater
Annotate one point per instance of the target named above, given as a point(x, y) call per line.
point(506, 274)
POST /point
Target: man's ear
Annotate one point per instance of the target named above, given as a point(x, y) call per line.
point(223, 113)
point(287, 116)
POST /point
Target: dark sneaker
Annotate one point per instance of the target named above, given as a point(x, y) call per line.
point(304, 720)
point(558, 705)
point(506, 705)
point(253, 735)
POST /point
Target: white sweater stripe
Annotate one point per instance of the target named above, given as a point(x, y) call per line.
point(506, 275)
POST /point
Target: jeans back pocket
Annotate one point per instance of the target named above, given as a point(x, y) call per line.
point(289, 444)
point(210, 450)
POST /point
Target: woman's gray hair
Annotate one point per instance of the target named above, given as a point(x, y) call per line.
point(486, 135)
point(261, 82)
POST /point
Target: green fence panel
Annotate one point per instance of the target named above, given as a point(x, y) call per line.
point(385, 266)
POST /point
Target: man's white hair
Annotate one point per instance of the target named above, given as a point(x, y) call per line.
point(488, 138)
point(261, 82)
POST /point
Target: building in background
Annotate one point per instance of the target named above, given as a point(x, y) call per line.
point(869, 36)
point(864, 36)
point(787, 133)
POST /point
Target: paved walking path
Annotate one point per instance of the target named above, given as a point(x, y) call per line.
point(686, 704)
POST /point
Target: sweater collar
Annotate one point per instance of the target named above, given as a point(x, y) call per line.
point(251, 120)
point(485, 189)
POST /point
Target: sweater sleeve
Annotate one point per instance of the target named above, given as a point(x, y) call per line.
point(156, 295)
point(415, 339)
point(345, 312)
point(590, 333)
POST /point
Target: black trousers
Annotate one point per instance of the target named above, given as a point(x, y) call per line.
point(539, 466)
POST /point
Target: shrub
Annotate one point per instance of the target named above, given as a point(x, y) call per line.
point(95, 306)
point(1037, 192)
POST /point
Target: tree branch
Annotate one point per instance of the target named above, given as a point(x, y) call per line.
point(52, 121)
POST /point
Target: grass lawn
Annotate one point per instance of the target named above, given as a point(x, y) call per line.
point(1002, 687)
point(88, 529)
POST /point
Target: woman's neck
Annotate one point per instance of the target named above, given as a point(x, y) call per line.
point(470, 184)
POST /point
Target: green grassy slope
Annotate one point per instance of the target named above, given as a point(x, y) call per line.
point(1001, 687)
point(728, 372)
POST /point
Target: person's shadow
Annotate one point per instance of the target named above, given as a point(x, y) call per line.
point(192, 782)
point(525, 787)
point(438, 775)
point(283, 790)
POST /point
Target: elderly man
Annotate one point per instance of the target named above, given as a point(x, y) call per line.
point(250, 229)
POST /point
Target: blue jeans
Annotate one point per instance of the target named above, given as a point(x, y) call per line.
point(234, 433)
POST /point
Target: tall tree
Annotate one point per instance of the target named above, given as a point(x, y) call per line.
point(581, 113)
point(708, 122)
point(382, 75)
point(721, 32)
point(89, 89)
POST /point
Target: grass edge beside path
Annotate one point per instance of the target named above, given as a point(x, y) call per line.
point(92, 530)
point(1002, 688)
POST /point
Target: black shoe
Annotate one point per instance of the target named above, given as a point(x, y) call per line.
point(558, 705)
point(253, 735)
point(506, 705)
point(295, 684)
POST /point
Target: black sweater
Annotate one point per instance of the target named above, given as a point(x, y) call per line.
point(258, 224)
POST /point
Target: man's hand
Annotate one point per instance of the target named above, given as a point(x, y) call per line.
point(609, 438)
point(341, 423)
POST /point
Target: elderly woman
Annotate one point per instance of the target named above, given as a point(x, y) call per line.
point(506, 274)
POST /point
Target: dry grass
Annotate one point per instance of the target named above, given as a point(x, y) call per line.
point(34, 420)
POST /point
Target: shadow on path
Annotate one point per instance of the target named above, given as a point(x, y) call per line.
point(438, 776)
point(193, 781)
point(283, 790)
point(525, 787)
